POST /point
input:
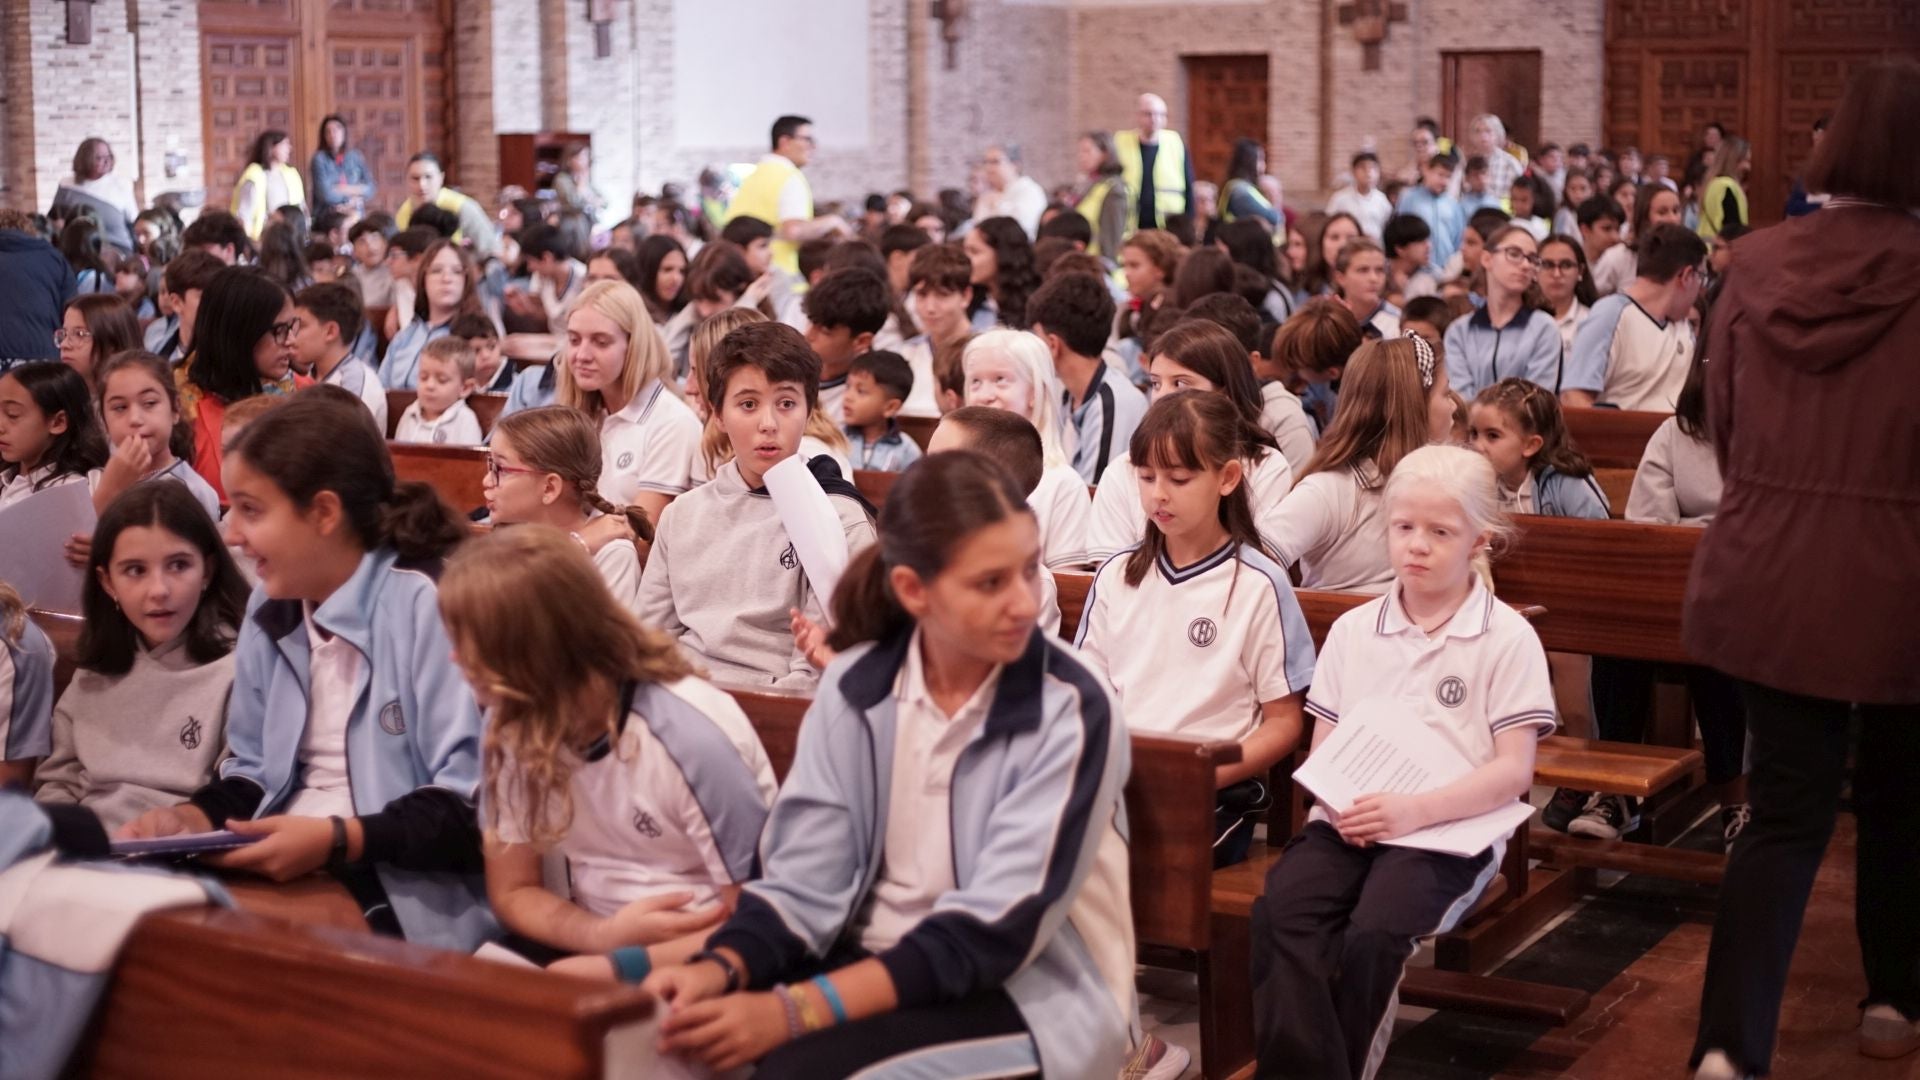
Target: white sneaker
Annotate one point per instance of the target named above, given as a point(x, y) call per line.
point(1157, 1059)
point(1716, 1066)
point(1609, 817)
point(1886, 1033)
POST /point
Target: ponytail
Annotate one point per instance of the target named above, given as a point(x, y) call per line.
point(13, 614)
point(864, 607)
point(418, 524)
point(637, 519)
point(1537, 411)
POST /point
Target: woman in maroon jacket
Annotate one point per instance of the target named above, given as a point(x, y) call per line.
point(1806, 583)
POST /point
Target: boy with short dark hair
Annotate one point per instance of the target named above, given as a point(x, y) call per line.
point(184, 281)
point(897, 245)
point(327, 320)
point(1010, 441)
point(939, 287)
point(439, 413)
point(1364, 200)
point(1634, 350)
point(1430, 202)
point(723, 578)
point(1073, 314)
point(370, 263)
point(491, 374)
point(877, 384)
point(1600, 219)
point(844, 310)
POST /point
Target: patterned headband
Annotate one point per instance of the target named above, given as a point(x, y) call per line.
point(1423, 352)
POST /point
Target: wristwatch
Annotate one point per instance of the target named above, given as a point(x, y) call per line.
point(337, 854)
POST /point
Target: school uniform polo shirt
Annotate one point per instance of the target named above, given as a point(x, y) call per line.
point(1120, 519)
point(916, 867)
point(1481, 674)
point(673, 803)
point(1332, 524)
point(1627, 358)
point(333, 682)
point(180, 472)
point(1521, 499)
point(457, 426)
point(923, 399)
point(1195, 650)
point(1105, 421)
point(19, 486)
point(647, 446)
point(833, 396)
point(353, 375)
point(1062, 505)
point(891, 452)
point(1284, 417)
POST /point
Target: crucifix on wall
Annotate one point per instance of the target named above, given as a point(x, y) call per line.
point(1369, 20)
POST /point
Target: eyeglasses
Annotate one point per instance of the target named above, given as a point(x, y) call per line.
point(63, 335)
point(1521, 255)
point(495, 470)
point(1559, 266)
point(283, 331)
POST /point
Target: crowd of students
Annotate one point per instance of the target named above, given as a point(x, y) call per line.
point(1353, 400)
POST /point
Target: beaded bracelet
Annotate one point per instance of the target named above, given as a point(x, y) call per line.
point(792, 1008)
point(810, 1017)
point(832, 997)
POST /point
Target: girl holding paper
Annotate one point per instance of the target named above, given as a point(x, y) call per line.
point(1345, 909)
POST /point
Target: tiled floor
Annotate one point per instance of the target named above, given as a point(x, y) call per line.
point(1640, 949)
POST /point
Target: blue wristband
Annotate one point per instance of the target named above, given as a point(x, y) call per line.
point(631, 964)
point(833, 998)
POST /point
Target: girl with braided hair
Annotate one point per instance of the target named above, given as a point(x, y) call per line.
point(543, 467)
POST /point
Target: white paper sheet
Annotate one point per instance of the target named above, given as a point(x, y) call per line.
point(33, 545)
point(1374, 750)
point(811, 523)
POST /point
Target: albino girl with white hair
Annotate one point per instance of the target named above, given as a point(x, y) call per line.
point(1012, 370)
point(1436, 653)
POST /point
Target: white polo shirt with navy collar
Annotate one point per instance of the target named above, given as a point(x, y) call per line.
point(1481, 674)
point(1104, 420)
point(1195, 650)
point(648, 446)
point(1627, 358)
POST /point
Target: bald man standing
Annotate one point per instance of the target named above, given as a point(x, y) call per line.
point(1154, 162)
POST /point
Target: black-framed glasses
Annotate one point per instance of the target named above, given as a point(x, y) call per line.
point(283, 331)
point(1559, 266)
point(1521, 255)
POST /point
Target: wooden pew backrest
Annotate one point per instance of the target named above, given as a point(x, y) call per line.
point(458, 473)
point(208, 992)
point(1610, 588)
point(486, 408)
point(1613, 438)
point(919, 428)
point(63, 630)
point(1617, 484)
point(874, 485)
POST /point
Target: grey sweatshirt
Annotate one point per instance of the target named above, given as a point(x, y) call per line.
point(1678, 482)
point(722, 576)
point(123, 745)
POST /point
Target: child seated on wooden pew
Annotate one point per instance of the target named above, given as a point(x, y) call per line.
point(1344, 907)
point(1518, 425)
point(1012, 370)
point(327, 320)
point(1203, 597)
point(604, 747)
point(26, 691)
point(491, 372)
point(543, 467)
point(1195, 355)
point(724, 576)
point(943, 877)
point(48, 432)
point(822, 436)
point(343, 655)
point(439, 414)
point(144, 719)
point(878, 383)
point(1393, 400)
point(140, 409)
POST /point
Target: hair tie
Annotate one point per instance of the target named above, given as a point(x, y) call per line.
point(1423, 355)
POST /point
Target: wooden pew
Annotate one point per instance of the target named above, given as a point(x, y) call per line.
point(63, 630)
point(209, 992)
point(528, 350)
point(919, 428)
point(874, 484)
point(1613, 438)
point(1617, 486)
point(1609, 588)
point(486, 408)
point(458, 473)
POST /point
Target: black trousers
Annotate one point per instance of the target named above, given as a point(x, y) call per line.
point(1331, 939)
point(1623, 699)
point(955, 1039)
point(1799, 763)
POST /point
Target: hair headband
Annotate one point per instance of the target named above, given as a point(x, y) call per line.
point(1423, 354)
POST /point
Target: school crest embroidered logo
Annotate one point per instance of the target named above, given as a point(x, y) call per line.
point(624, 460)
point(1452, 692)
point(392, 720)
point(644, 822)
point(190, 733)
point(439, 435)
point(1202, 632)
point(789, 558)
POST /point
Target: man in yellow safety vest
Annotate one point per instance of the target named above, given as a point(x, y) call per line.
point(777, 192)
point(427, 181)
point(1154, 162)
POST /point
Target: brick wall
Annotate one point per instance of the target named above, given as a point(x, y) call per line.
point(167, 73)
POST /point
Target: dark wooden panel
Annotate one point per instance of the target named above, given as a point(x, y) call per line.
point(1226, 100)
point(1505, 83)
point(1610, 588)
point(248, 83)
point(1613, 438)
point(458, 473)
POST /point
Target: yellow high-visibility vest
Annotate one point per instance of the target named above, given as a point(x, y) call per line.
point(1713, 206)
point(1169, 172)
point(759, 197)
point(256, 218)
point(447, 199)
point(1090, 207)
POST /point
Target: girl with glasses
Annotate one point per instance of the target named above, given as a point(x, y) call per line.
point(242, 346)
point(1566, 284)
point(1510, 336)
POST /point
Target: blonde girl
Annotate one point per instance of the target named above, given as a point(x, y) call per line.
point(602, 746)
point(1325, 968)
point(1393, 399)
point(822, 435)
point(616, 370)
point(1012, 370)
point(543, 467)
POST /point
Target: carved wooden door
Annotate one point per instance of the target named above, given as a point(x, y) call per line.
point(1226, 100)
